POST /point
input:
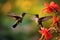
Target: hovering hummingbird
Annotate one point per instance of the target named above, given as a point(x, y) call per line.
point(18, 19)
point(40, 20)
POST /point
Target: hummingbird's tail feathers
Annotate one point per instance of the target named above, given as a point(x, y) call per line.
point(16, 24)
point(16, 17)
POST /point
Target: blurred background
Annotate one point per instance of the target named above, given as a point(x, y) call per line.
point(28, 29)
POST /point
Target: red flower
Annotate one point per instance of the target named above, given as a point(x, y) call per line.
point(45, 33)
point(50, 7)
point(54, 6)
point(55, 20)
point(47, 8)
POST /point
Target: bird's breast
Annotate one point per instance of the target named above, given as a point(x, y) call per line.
point(36, 20)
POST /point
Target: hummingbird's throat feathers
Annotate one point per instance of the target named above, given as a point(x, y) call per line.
point(36, 19)
point(21, 16)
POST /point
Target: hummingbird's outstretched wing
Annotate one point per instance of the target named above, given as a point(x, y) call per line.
point(45, 18)
point(13, 16)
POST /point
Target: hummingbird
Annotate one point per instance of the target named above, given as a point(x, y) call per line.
point(42, 19)
point(18, 19)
